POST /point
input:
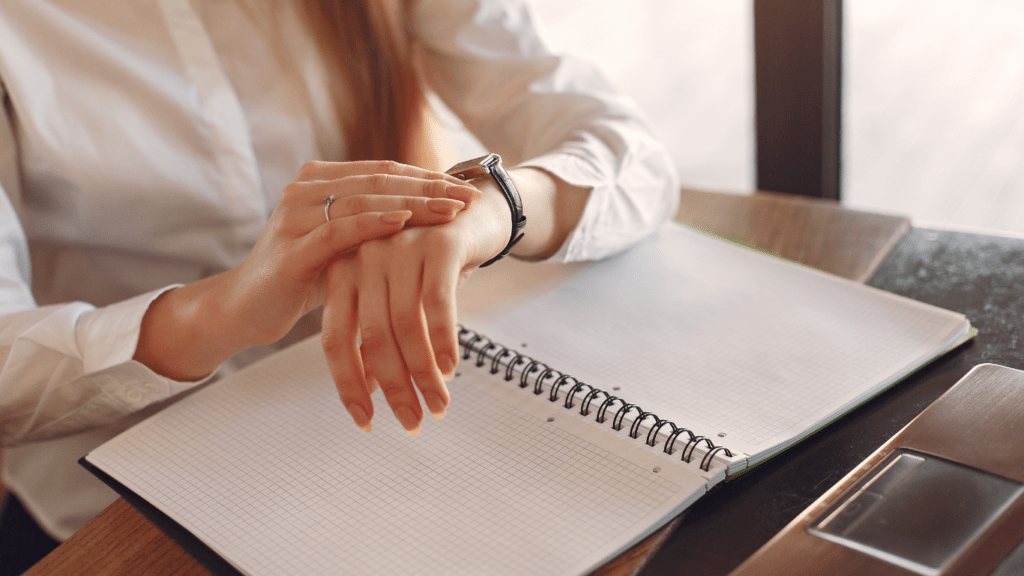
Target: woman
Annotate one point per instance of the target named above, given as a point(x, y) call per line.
point(150, 144)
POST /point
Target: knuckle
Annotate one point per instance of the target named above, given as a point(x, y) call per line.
point(371, 251)
point(332, 342)
point(402, 243)
point(389, 166)
point(406, 322)
point(362, 203)
point(435, 296)
point(384, 184)
point(437, 189)
point(310, 170)
point(355, 204)
point(376, 183)
point(292, 191)
point(374, 337)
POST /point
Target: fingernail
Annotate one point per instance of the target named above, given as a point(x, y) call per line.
point(396, 217)
point(446, 364)
point(360, 418)
point(445, 206)
point(436, 403)
point(409, 420)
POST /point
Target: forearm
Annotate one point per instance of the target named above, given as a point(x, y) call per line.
point(553, 114)
point(188, 332)
point(553, 209)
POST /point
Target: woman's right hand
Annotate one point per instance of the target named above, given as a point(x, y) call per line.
point(280, 280)
point(189, 331)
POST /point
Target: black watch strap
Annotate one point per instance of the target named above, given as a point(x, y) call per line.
point(491, 165)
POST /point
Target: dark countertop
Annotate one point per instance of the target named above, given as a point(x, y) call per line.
point(978, 275)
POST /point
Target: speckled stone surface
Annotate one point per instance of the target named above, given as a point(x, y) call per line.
point(978, 275)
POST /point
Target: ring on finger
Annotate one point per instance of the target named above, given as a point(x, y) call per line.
point(328, 200)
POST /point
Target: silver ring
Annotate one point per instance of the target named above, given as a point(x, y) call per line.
point(327, 209)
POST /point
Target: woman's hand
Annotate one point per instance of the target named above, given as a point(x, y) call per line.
point(398, 295)
point(280, 281)
point(189, 331)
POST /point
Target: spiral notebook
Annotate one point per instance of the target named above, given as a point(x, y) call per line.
point(584, 416)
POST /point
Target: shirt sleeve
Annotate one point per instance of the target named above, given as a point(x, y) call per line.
point(485, 60)
point(67, 367)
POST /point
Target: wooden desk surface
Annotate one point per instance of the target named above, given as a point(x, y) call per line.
point(817, 233)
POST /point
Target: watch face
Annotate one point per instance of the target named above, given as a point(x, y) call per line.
point(473, 168)
point(469, 173)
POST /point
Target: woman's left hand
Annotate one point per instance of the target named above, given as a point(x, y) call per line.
point(398, 295)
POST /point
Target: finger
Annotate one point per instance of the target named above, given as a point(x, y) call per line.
point(400, 185)
point(301, 194)
point(340, 235)
point(440, 284)
point(294, 222)
point(425, 211)
point(381, 356)
point(340, 343)
point(371, 380)
point(410, 328)
point(317, 170)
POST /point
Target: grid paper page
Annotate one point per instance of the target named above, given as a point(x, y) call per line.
point(745, 348)
point(267, 469)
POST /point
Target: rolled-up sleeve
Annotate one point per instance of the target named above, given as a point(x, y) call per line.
point(485, 60)
point(68, 368)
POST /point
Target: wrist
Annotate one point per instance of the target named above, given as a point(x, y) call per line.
point(186, 333)
point(490, 167)
point(493, 217)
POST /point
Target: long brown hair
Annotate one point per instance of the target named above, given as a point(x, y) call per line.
point(370, 55)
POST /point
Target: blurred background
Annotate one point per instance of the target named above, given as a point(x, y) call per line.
point(933, 96)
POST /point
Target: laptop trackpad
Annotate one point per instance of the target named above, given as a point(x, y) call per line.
point(917, 511)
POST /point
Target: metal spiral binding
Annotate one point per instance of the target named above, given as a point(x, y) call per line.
point(652, 434)
point(621, 414)
point(603, 408)
point(572, 393)
point(671, 440)
point(538, 385)
point(532, 367)
point(585, 409)
point(553, 396)
point(634, 430)
point(519, 358)
point(496, 362)
point(471, 343)
point(482, 355)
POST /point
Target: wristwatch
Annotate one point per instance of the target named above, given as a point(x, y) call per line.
point(491, 164)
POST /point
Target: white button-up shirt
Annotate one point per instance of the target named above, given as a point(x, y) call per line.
point(146, 143)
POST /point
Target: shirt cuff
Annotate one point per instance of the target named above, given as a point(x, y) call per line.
point(620, 210)
point(107, 338)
